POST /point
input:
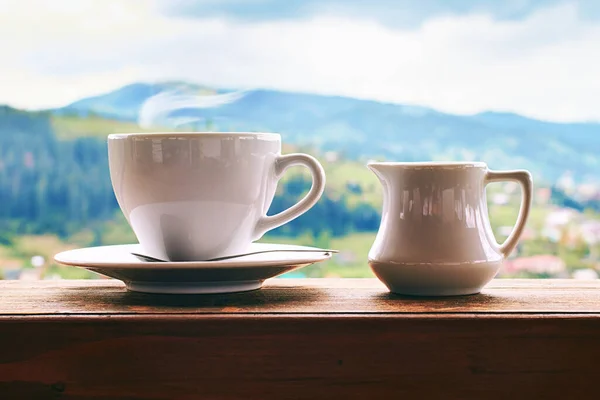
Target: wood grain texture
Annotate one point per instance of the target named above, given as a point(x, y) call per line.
point(316, 296)
point(307, 339)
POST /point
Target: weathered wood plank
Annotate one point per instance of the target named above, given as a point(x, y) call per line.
point(299, 357)
point(316, 296)
point(299, 339)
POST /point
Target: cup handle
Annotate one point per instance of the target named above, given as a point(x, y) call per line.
point(266, 223)
point(525, 180)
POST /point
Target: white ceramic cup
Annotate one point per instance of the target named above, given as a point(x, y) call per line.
point(197, 196)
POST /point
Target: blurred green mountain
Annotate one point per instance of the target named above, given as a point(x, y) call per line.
point(362, 129)
point(55, 190)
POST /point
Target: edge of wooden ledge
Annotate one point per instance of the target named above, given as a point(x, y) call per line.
point(368, 283)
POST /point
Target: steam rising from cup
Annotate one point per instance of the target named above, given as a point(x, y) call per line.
point(158, 110)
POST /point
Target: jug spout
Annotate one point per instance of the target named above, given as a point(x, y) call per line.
point(374, 166)
point(382, 170)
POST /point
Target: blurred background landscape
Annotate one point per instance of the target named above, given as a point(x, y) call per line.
point(486, 81)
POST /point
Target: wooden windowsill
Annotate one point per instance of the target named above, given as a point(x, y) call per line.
point(299, 338)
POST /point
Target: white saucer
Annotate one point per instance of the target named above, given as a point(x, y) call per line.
point(191, 277)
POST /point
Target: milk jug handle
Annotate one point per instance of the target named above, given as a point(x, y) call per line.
point(268, 222)
point(525, 180)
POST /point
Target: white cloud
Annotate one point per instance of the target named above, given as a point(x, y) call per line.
point(544, 66)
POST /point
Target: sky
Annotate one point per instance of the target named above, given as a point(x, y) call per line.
point(537, 58)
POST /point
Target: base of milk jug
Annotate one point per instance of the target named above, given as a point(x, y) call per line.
point(431, 279)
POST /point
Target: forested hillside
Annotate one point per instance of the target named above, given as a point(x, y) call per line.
point(47, 184)
point(52, 182)
point(55, 190)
